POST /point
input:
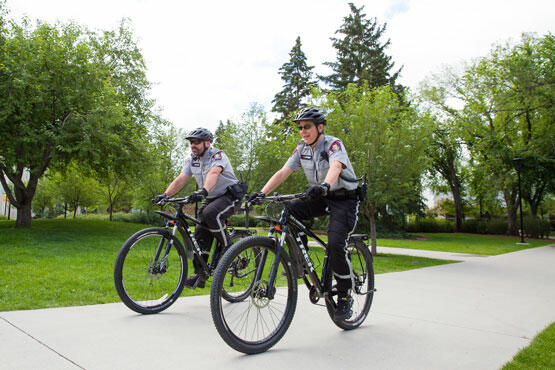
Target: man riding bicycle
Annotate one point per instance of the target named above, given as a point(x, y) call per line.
point(333, 190)
point(219, 188)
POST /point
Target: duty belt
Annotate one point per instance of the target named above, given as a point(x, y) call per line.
point(343, 194)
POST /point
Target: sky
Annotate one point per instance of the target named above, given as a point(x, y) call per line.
point(210, 60)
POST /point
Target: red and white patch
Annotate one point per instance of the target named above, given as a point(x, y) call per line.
point(294, 151)
point(217, 156)
point(335, 147)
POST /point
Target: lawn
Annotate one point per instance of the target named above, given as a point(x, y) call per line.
point(70, 262)
point(540, 354)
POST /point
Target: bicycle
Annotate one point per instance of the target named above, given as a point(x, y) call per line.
point(255, 324)
point(151, 266)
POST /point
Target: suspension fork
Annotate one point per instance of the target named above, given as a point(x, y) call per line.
point(166, 250)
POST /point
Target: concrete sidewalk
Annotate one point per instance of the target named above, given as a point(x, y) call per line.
point(471, 315)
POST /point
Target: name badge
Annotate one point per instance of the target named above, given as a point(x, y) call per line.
point(195, 164)
point(306, 156)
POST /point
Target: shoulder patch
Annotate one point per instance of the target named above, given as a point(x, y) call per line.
point(335, 147)
point(217, 156)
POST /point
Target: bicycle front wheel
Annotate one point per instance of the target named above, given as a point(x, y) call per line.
point(363, 290)
point(262, 318)
point(150, 270)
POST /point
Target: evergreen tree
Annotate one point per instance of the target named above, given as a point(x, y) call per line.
point(360, 56)
point(298, 81)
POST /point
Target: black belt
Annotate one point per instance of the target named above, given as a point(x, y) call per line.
point(343, 194)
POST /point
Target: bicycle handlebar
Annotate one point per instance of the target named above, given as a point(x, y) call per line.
point(175, 201)
point(278, 198)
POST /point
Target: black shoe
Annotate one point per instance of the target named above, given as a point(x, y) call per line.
point(195, 281)
point(343, 310)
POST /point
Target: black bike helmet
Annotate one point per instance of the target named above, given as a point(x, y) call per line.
point(311, 114)
point(200, 133)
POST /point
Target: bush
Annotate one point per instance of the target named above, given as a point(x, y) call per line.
point(238, 220)
point(139, 218)
point(2, 217)
point(430, 225)
point(535, 227)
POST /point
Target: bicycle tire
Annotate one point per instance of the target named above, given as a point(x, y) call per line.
point(235, 272)
point(256, 335)
point(363, 271)
point(142, 286)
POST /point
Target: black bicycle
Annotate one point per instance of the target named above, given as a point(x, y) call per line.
point(151, 266)
point(255, 324)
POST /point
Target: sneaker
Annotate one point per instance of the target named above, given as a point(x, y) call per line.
point(343, 310)
point(195, 281)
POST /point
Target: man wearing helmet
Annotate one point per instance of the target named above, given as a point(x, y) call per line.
point(333, 190)
point(215, 177)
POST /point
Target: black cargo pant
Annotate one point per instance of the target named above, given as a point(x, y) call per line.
point(213, 214)
point(343, 219)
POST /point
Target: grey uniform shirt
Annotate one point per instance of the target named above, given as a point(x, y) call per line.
point(316, 167)
point(199, 167)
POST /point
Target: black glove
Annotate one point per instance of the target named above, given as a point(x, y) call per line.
point(198, 195)
point(255, 196)
point(316, 191)
point(159, 198)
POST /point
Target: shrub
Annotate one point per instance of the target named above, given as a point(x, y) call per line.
point(535, 227)
point(139, 218)
point(238, 220)
point(430, 225)
point(495, 225)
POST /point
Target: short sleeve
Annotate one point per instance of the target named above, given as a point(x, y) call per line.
point(337, 152)
point(294, 162)
point(219, 159)
point(187, 168)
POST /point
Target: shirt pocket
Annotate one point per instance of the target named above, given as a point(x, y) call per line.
point(323, 167)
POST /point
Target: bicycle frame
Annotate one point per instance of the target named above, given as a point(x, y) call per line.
point(192, 249)
point(287, 224)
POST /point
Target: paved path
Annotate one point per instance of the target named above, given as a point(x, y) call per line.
point(471, 315)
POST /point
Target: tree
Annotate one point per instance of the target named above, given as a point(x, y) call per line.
point(445, 149)
point(241, 141)
point(165, 158)
point(68, 93)
point(360, 54)
point(297, 77)
point(508, 113)
point(386, 140)
point(75, 189)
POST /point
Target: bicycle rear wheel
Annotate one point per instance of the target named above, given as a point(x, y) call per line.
point(258, 322)
point(145, 284)
point(363, 291)
point(239, 278)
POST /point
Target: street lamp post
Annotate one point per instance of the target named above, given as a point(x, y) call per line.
point(518, 162)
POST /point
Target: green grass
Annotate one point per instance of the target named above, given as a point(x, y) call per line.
point(70, 262)
point(463, 243)
point(540, 354)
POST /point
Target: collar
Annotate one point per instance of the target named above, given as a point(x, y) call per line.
point(207, 154)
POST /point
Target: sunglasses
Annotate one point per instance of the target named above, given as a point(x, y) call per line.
point(308, 126)
point(195, 141)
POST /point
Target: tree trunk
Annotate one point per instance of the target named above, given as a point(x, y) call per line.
point(111, 209)
point(511, 200)
point(372, 218)
point(24, 215)
point(455, 186)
